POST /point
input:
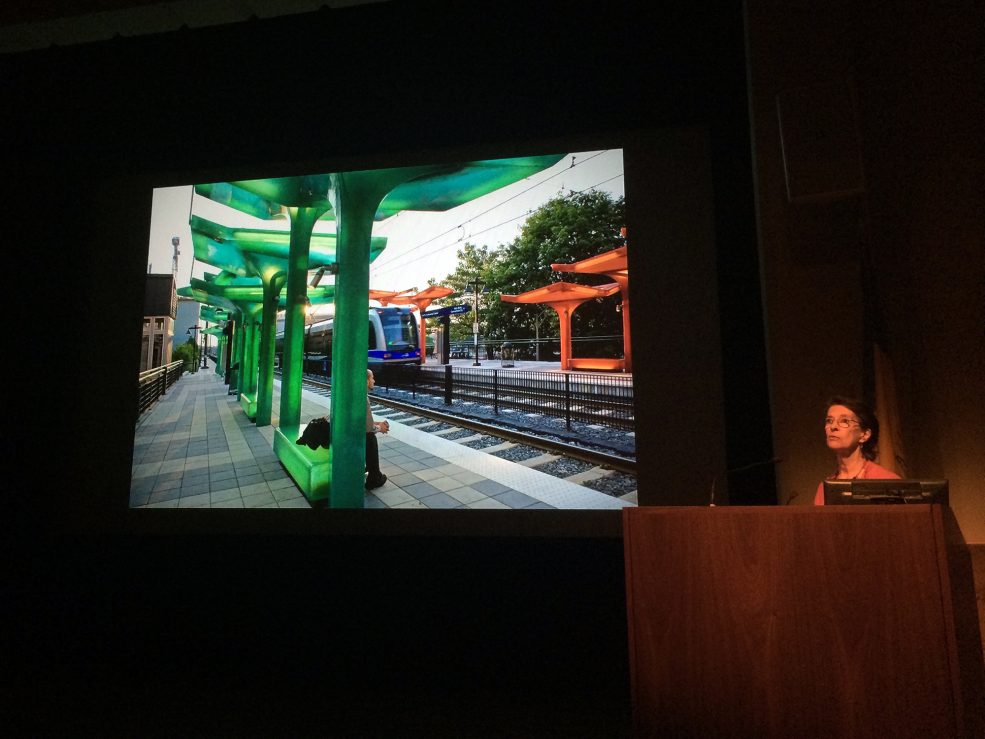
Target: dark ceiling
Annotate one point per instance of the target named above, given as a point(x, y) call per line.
point(39, 24)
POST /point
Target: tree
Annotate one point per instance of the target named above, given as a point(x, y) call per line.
point(187, 352)
point(563, 230)
point(474, 262)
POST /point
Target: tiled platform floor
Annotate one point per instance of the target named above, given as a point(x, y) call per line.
point(196, 448)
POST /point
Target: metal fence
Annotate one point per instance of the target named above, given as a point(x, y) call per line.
point(544, 349)
point(154, 383)
point(590, 398)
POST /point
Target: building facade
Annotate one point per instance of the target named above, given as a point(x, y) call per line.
point(160, 309)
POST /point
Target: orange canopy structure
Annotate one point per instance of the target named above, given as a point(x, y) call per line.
point(387, 296)
point(615, 265)
point(420, 299)
point(565, 297)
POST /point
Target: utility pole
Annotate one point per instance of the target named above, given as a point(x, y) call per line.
point(476, 285)
point(174, 259)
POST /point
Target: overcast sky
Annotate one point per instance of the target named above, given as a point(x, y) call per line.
point(420, 245)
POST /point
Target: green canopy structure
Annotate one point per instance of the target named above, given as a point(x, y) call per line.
point(218, 317)
point(247, 298)
point(354, 200)
point(262, 253)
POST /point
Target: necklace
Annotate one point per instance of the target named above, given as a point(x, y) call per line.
point(857, 473)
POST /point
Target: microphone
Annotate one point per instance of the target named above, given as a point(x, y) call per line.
point(743, 468)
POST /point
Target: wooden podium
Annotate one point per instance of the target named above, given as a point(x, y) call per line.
point(842, 621)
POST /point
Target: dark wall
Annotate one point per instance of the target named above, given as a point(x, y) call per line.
point(398, 635)
point(902, 261)
point(160, 298)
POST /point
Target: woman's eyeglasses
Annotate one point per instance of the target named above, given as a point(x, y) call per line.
point(842, 422)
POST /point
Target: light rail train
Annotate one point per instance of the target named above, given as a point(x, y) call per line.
point(393, 339)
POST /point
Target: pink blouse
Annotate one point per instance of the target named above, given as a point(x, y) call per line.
point(871, 471)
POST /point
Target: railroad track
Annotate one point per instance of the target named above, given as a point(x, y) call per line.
point(608, 473)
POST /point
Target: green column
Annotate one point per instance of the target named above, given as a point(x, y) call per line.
point(241, 350)
point(272, 285)
point(220, 366)
point(355, 199)
point(302, 223)
point(218, 355)
point(251, 350)
point(252, 346)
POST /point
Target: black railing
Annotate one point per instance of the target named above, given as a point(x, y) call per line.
point(546, 349)
point(589, 398)
point(154, 383)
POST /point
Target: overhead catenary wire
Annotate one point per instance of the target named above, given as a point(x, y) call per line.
point(566, 170)
point(430, 253)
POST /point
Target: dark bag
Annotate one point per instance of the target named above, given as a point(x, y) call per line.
point(317, 434)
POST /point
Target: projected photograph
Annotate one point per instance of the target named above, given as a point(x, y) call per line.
point(446, 336)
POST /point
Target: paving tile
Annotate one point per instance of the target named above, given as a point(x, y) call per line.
point(219, 496)
point(229, 483)
point(445, 484)
point(467, 478)
point(487, 503)
point(195, 488)
point(299, 502)
point(441, 500)
point(232, 503)
point(191, 501)
point(466, 495)
point(173, 465)
point(257, 487)
point(249, 479)
point(282, 494)
point(259, 500)
point(489, 487)
point(285, 482)
point(404, 479)
point(420, 489)
point(164, 504)
point(142, 485)
point(515, 499)
point(194, 463)
point(393, 497)
point(164, 495)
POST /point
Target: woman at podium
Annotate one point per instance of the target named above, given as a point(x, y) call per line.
point(851, 430)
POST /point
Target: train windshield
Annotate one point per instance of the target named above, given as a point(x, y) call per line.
point(399, 330)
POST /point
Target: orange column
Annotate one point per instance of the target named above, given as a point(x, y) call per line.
point(564, 310)
point(422, 306)
point(627, 350)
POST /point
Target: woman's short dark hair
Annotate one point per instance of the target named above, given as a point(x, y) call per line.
point(866, 419)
